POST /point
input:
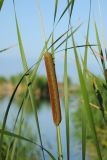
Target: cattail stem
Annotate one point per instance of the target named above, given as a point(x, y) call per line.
point(59, 145)
point(54, 98)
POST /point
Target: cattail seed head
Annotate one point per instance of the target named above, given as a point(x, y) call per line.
point(53, 88)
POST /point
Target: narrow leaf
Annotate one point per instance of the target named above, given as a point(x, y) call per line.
point(66, 103)
point(55, 12)
point(1, 3)
point(27, 140)
point(24, 62)
point(74, 31)
point(66, 8)
point(87, 108)
point(6, 49)
point(87, 37)
point(7, 110)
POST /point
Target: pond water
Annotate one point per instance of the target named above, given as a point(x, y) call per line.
point(48, 130)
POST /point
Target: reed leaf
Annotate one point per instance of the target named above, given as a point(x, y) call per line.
point(70, 11)
point(1, 4)
point(8, 108)
point(33, 75)
point(15, 139)
point(97, 37)
point(66, 98)
point(24, 62)
point(96, 57)
point(66, 89)
point(86, 48)
point(77, 46)
point(52, 48)
point(74, 31)
point(6, 49)
point(20, 108)
point(83, 133)
point(56, 7)
point(102, 25)
point(87, 109)
point(10, 134)
point(9, 146)
point(66, 8)
point(100, 51)
point(43, 50)
point(99, 98)
point(62, 35)
point(84, 70)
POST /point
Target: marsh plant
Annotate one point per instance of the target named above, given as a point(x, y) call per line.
point(92, 97)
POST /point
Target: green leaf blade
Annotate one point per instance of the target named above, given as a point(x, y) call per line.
point(1, 4)
point(87, 108)
point(56, 7)
point(66, 104)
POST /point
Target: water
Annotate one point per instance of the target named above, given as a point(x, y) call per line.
point(47, 126)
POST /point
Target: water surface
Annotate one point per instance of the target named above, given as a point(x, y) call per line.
point(47, 126)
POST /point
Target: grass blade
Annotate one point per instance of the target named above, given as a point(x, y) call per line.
point(52, 48)
point(58, 39)
point(33, 75)
point(9, 146)
point(86, 48)
point(97, 37)
point(10, 134)
point(87, 108)
point(56, 7)
point(84, 70)
point(74, 31)
point(102, 25)
point(99, 98)
point(83, 133)
point(100, 52)
point(27, 78)
point(66, 97)
point(6, 49)
point(7, 110)
point(70, 11)
point(15, 139)
point(1, 3)
point(66, 8)
point(77, 46)
point(43, 50)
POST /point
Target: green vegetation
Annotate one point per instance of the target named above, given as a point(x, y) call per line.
point(2, 80)
point(99, 116)
point(40, 87)
point(29, 85)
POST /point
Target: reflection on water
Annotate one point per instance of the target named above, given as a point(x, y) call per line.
point(47, 127)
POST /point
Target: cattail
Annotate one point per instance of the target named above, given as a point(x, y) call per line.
point(53, 88)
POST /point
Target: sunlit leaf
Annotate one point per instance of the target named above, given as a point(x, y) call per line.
point(55, 12)
point(1, 3)
point(87, 109)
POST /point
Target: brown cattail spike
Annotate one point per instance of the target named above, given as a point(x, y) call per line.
point(53, 88)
